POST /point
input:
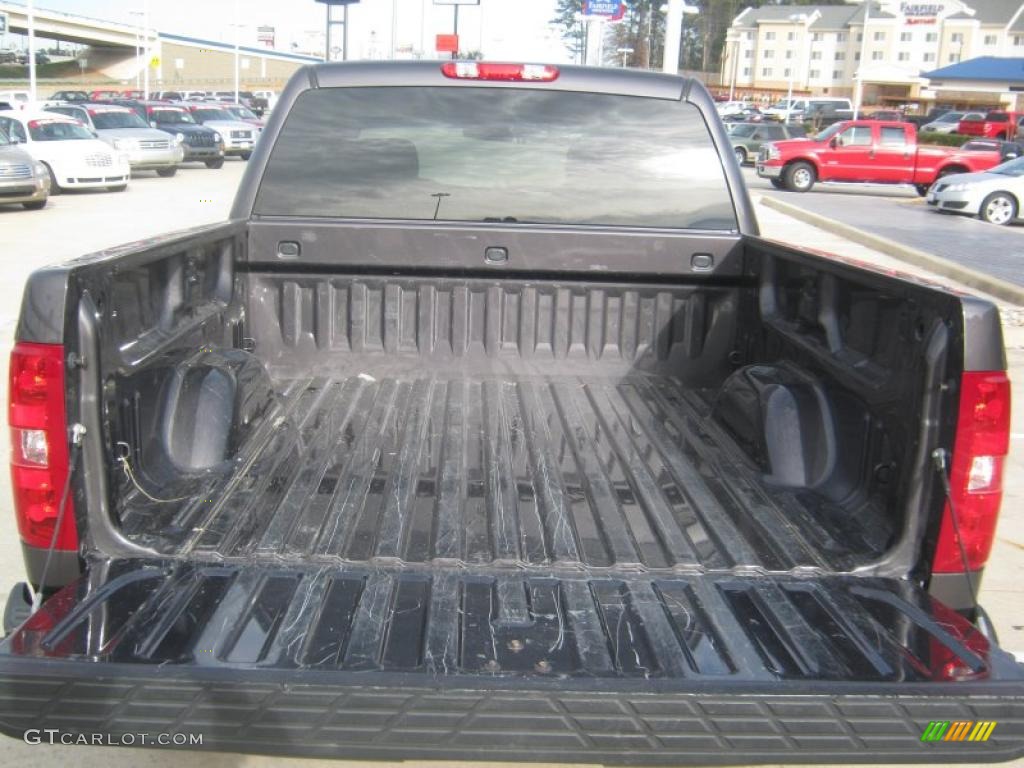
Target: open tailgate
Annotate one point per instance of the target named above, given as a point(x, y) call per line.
point(430, 662)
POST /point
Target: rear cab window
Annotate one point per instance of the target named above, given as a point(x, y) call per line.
point(893, 136)
point(478, 154)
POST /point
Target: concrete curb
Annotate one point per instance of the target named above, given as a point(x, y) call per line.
point(1001, 289)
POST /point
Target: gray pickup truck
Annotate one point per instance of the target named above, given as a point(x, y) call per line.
point(489, 428)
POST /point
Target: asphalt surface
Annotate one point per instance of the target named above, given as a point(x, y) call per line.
point(899, 214)
point(76, 224)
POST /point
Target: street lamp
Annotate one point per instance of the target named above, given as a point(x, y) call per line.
point(238, 34)
point(145, 49)
point(858, 94)
point(675, 9)
point(138, 48)
point(625, 52)
point(806, 19)
point(31, 11)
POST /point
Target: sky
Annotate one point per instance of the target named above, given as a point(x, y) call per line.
point(503, 29)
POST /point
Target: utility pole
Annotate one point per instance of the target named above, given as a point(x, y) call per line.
point(394, 28)
point(145, 45)
point(455, 29)
point(31, 50)
point(858, 94)
point(238, 34)
point(735, 63)
point(674, 34)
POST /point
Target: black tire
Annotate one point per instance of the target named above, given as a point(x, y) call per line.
point(117, 188)
point(37, 205)
point(246, 155)
point(777, 183)
point(799, 177)
point(167, 172)
point(219, 163)
point(922, 189)
point(741, 155)
point(999, 208)
point(54, 186)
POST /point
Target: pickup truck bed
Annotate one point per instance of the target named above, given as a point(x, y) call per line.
point(497, 490)
point(525, 470)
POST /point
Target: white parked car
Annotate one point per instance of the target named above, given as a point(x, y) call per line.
point(726, 108)
point(75, 158)
point(17, 99)
point(996, 195)
point(148, 149)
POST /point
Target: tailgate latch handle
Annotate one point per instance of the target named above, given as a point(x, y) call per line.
point(496, 255)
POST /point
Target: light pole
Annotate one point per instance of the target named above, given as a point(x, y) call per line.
point(735, 64)
point(138, 48)
point(625, 52)
point(145, 47)
point(675, 9)
point(805, 19)
point(238, 34)
point(858, 91)
point(31, 11)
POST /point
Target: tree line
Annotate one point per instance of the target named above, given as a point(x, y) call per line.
point(643, 30)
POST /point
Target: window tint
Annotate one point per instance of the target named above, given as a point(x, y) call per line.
point(4, 141)
point(856, 136)
point(69, 111)
point(16, 131)
point(893, 137)
point(496, 154)
point(997, 117)
point(105, 120)
point(211, 114)
point(773, 132)
point(171, 116)
point(57, 130)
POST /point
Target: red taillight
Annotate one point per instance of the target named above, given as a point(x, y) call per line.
point(976, 473)
point(39, 444)
point(486, 70)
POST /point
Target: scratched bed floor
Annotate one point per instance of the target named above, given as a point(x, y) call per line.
point(617, 474)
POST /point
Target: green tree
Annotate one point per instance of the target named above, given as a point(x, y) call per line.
point(643, 30)
point(567, 13)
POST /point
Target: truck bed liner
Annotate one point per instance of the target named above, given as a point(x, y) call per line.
point(573, 472)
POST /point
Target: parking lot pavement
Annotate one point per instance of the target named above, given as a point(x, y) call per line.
point(897, 213)
point(77, 224)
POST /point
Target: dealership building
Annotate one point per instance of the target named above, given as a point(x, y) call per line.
point(822, 50)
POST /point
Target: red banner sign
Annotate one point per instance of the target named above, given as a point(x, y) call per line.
point(447, 44)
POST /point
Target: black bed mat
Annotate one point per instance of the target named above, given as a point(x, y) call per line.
point(617, 473)
point(409, 662)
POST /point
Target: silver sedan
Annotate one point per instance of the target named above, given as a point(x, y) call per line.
point(995, 195)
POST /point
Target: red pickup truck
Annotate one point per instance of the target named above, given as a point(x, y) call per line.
point(995, 125)
point(866, 151)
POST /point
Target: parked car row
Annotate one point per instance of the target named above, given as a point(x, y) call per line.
point(77, 144)
point(257, 102)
